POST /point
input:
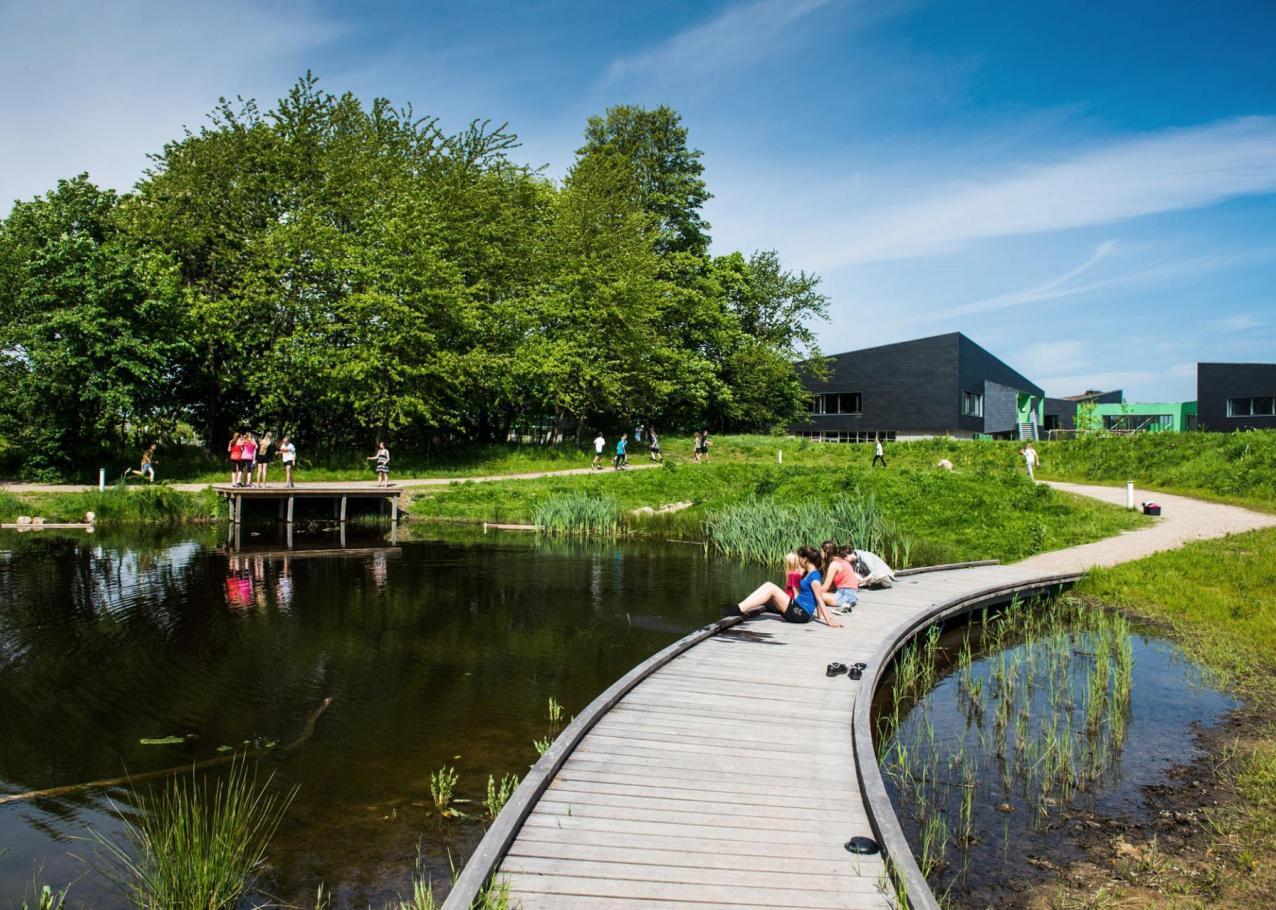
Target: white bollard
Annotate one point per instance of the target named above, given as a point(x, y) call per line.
point(101, 480)
point(780, 455)
point(1129, 494)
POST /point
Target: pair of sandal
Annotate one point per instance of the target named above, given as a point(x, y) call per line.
point(855, 671)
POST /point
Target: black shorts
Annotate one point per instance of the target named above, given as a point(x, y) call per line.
point(247, 464)
point(263, 459)
point(796, 613)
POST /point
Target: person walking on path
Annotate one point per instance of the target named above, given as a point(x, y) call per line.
point(600, 443)
point(147, 469)
point(248, 457)
point(877, 452)
point(288, 455)
point(806, 605)
point(381, 461)
point(621, 459)
point(234, 452)
point(1031, 459)
point(264, 452)
point(655, 446)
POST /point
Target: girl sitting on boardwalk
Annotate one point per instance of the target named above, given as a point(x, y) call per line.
point(842, 588)
point(809, 601)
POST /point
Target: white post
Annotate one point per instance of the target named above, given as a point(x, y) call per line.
point(1129, 494)
point(101, 480)
point(780, 456)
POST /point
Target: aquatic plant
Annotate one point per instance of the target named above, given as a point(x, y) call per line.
point(542, 745)
point(192, 845)
point(442, 786)
point(498, 794)
point(555, 711)
point(763, 529)
point(46, 899)
point(579, 514)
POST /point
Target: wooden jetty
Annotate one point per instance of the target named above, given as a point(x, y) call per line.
point(285, 497)
point(728, 771)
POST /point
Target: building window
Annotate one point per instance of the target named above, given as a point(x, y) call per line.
point(1138, 423)
point(1262, 406)
point(847, 436)
point(972, 404)
point(837, 403)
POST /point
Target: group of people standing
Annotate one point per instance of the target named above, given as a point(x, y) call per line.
point(250, 458)
point(820, 582)
point(699, 449)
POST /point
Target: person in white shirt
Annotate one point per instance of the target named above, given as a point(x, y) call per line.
point(877, 452)
point(1031, 459)
point(599, 444)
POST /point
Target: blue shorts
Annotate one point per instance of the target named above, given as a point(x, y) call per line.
point(847, 597)
point(148, 470)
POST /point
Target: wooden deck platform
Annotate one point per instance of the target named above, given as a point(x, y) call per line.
point(728, 771)
point(285, 497)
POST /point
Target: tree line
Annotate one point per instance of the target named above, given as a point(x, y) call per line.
point(342, 271)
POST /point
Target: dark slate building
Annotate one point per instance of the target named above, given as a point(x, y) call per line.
point(1061, 413)
point(945, 385)
point(1236, 396)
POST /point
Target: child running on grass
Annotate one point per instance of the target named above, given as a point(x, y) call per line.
point(621, 459)
point(147, 469)
point(600, 442)
point(381, 462)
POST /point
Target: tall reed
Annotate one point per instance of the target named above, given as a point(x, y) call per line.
point(194, 845)
point(579, 515)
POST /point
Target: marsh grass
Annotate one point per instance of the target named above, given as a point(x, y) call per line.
point(442, 787)
point(45, 898)
point(192, 844)
point(157, 504)
point(579, 514)
point(499, 793)
point(763, 530)
point(1045, 715)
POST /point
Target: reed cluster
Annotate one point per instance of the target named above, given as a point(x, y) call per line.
point(1040, 717)
point(763, 529)
point(579, 515)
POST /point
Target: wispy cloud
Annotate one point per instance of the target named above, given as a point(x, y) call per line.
point(1171, 170)
point(1052, 357)
point(1241, 322)
point(737, 37)
point(1060, 286)
point(97, 87)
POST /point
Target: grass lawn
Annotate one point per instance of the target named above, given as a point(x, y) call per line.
point(965, 514)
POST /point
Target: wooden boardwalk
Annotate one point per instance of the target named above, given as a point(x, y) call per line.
point(727, 777)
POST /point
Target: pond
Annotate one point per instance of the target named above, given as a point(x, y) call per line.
point(439, 650)
point(997, 738)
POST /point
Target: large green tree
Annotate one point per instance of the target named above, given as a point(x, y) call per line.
point(93, 333)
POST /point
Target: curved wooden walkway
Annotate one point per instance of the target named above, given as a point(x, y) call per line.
point(723, 772)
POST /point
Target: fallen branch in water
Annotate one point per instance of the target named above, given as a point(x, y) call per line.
point(307, 731)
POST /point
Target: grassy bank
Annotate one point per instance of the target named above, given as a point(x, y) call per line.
point(1218, 599)
point(148, 505)
point(987, 514)
point(1228, 467)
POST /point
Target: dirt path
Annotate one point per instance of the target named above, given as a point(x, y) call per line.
point(1182, 521)
point(318, 485)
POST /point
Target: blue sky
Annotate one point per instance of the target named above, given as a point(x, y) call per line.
point(1088, 190)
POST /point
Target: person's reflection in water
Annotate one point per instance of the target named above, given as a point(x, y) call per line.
point(283, 586)
point(379, 569)
point(239, 584)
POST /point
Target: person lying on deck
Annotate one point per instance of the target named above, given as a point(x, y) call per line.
point(807, 604)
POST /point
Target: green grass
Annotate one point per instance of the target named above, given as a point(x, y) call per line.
point(966, 514)
point(195, 845)
point(764, 530)
point(1219, 597)
point(1229, 467)
point(151, 505)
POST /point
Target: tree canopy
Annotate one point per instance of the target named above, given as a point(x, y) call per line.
point(340, 271)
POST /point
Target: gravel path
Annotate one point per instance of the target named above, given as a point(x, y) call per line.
point(1182, 520)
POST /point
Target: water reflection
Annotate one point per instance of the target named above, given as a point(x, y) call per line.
point(441, 646)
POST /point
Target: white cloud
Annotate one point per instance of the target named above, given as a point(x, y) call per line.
point(1059, 286)
point(1166, 171)
point(1241, 322)
point(98, 86)
point(1053, 356)
point(1184, 370)
point(737, 37)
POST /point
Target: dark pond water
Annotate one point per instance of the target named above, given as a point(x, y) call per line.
point(993, 756)
point(435, 651)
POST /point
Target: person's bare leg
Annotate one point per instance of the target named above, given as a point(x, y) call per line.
point(767, 592)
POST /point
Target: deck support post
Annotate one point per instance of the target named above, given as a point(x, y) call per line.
point(394, 511)
point(343, 510)
point(291, 500)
